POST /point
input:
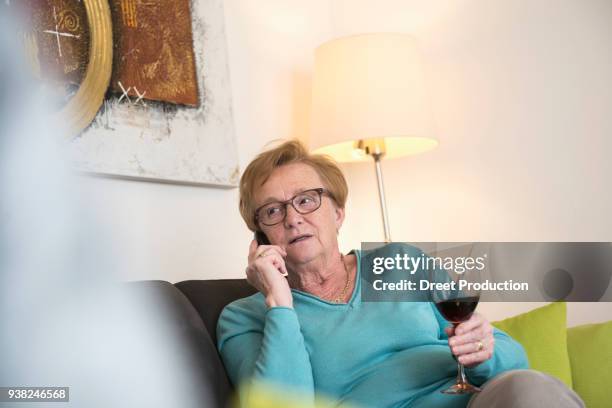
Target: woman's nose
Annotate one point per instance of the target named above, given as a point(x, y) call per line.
point(293, 217)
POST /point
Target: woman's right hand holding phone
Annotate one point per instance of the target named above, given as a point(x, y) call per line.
point(267, 271)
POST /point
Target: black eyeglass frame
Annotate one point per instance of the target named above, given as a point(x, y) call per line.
point(321, 191)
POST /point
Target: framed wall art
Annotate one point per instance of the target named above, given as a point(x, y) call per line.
point(145, 84)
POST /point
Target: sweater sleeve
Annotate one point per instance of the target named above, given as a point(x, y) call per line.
point(265, 345)
point(508, 354)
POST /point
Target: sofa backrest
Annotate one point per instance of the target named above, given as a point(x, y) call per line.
point(209, 297)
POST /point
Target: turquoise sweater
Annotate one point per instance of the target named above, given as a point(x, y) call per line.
point(370, 354)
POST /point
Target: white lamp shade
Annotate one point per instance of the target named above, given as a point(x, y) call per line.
point(370, 86)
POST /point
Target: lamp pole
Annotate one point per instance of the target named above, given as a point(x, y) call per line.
point(377, 148)
point(381, 195)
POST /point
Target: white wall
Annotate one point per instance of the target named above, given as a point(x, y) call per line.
point(173, 232)
point(521, 96)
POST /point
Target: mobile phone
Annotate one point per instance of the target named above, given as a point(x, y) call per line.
point(261, 238)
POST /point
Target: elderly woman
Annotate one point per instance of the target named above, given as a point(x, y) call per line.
point(308, 331)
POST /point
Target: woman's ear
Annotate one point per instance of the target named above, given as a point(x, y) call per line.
point(339, 214)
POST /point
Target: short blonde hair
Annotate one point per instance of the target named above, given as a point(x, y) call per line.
point(289, 152)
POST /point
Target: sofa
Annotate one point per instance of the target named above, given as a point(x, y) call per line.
point(580, 356)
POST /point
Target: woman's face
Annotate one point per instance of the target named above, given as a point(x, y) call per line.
point(319, 227)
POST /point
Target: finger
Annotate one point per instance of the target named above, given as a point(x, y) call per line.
point(278, 250)
point(470, 337)
point(481, 332)
point(267, 250)
point(450, 331)
point(279, 262)
point(469, 348)
point(475, 358)
point(272, 258)
point(261, 252)
point(474, 321)
point(283, 269)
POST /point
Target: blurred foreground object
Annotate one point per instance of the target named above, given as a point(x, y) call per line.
point(265, 395)
point(66, 320)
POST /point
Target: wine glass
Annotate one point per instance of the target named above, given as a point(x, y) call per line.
point(456, 298)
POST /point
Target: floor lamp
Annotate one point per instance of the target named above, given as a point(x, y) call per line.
point(369, 102)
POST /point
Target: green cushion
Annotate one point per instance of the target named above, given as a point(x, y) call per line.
point(590, 353)
point(543, 334)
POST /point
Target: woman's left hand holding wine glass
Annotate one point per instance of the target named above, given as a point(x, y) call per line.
point(472, 341)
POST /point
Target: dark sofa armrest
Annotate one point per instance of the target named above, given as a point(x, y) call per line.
point(196, 345)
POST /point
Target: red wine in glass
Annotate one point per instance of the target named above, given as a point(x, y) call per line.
point(459, 309)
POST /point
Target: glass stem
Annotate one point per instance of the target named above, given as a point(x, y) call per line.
point(461, 374)
point(460, 369)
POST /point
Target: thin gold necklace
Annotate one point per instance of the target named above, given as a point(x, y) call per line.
point(342, 294)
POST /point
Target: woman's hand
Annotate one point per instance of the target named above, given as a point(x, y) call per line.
point(267, 271)
point(472, 341)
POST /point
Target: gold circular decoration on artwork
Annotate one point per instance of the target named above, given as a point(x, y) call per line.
point(78, 113)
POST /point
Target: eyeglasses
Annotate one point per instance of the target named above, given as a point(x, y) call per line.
point(304, 203)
